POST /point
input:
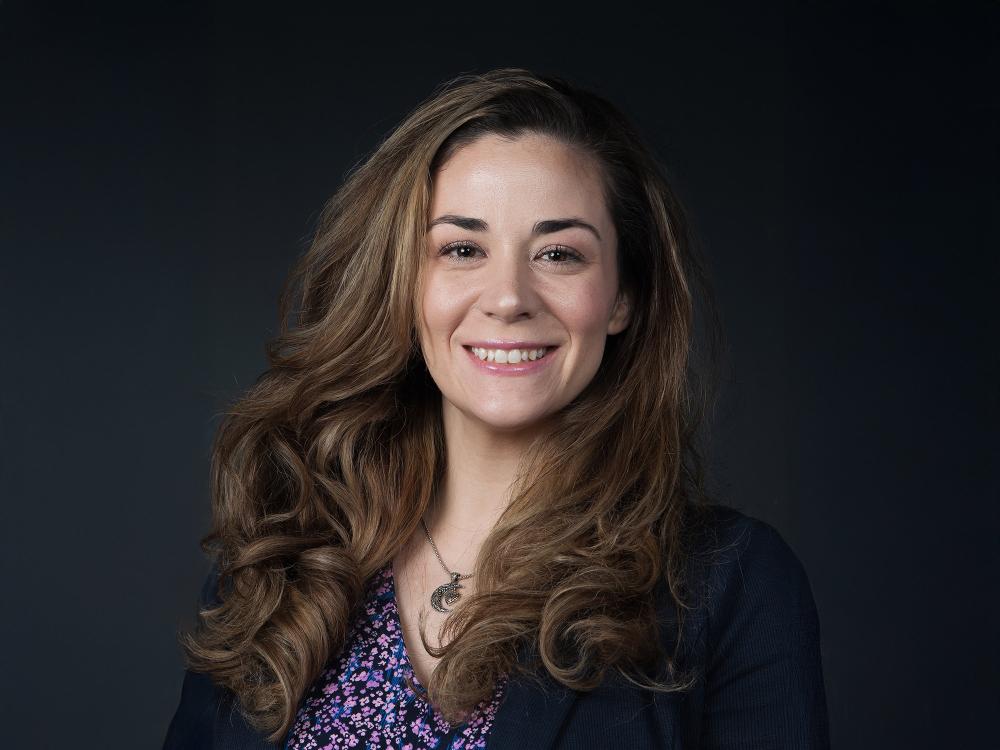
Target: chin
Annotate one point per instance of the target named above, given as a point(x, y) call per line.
point(510, 423)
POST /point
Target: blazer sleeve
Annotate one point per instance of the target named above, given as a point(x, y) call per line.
point(192, 725)
point(764, 677)
point(207, 717)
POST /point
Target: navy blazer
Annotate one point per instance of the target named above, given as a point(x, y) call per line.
point(756, 639)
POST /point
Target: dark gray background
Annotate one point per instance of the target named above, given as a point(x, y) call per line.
point(162, 167)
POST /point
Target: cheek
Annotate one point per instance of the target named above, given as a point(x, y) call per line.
point(585, 309)
point(441, 306)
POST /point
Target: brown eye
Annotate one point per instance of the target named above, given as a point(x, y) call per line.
point(459, 246)
point(565, 255)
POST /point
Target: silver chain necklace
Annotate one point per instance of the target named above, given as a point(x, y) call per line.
point(446, 592)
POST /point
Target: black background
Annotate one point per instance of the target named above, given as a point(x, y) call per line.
point(163, 164)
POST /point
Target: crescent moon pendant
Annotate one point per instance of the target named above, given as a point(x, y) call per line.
point(446, 593)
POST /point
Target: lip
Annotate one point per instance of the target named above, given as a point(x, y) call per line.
point(521, 368)
point(509, 344)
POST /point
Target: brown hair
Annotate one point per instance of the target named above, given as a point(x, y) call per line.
point(323, 469)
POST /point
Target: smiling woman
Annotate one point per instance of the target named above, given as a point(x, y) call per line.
point(465, 503)
point(526, 284)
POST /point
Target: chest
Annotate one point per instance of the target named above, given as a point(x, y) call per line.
point(415, 581)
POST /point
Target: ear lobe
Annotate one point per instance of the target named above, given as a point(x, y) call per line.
point(622, 314)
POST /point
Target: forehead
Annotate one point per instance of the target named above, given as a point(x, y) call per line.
point(520, 181)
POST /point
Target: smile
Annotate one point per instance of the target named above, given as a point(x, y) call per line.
point(510, 361)
point(508, 356)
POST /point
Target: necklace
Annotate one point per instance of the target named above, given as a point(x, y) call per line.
point(446, 593)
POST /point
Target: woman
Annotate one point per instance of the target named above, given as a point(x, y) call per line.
point(464, 505)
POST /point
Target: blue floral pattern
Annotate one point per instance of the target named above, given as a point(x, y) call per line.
point(362, 701)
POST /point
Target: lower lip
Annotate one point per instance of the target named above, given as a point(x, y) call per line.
point(521, 368)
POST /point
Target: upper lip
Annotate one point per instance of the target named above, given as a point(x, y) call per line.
point(508, 344)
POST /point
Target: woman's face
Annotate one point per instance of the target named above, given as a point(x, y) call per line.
point(521, 254)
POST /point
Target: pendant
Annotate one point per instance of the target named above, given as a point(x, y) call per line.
point(448, 593)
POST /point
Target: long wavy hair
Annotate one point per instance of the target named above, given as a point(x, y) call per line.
point(322, 470)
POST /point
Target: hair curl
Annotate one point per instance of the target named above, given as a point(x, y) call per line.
point(322, 470)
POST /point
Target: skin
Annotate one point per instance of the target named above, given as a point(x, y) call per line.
point(504, 285)
point(509, 284)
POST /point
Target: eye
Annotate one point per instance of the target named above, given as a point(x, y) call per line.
point(463, 245)
point(559, 253)
point(567, 255)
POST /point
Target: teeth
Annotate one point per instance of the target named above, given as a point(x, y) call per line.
point(508, 356)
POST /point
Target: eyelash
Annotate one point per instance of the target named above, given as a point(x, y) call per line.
point(572, 256)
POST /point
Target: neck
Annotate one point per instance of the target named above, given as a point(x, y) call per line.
point(481, 464)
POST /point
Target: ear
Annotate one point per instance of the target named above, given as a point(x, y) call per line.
point(621, 315)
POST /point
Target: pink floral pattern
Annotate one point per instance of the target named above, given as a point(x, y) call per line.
point(361, 700)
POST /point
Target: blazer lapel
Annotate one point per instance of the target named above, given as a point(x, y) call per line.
point(530, 715)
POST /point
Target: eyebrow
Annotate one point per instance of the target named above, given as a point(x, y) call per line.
point(546, 226)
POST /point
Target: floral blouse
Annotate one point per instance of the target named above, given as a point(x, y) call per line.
point(361, 699)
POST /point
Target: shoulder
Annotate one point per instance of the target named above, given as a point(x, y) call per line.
point(738, 553)
point(207, 715)
point(757, 636)
point(210, 587)
point(742, 566)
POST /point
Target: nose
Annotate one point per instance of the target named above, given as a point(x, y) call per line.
point(508, 293)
